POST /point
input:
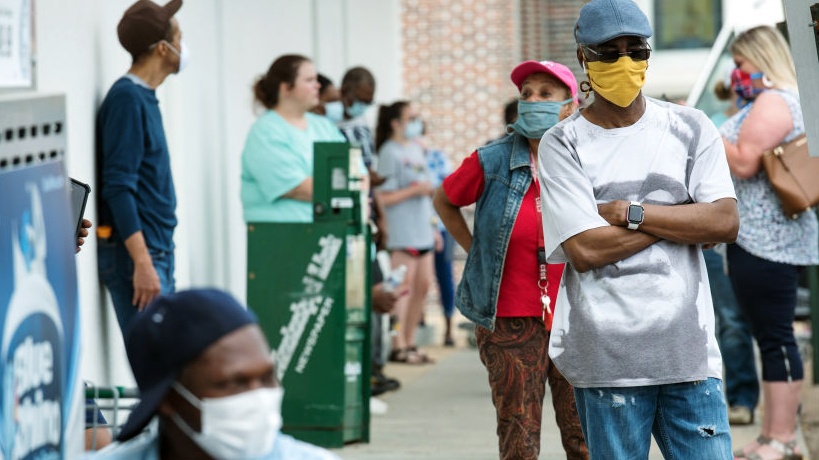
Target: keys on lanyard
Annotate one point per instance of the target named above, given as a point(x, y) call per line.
point(543, 280)
point(545, 300)
point(543, 283)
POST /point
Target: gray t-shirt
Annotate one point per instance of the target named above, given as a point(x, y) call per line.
point(647, 319)
point(409, 222)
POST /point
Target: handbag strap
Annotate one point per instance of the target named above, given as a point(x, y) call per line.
point(781, 148)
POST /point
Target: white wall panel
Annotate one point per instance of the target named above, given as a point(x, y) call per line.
point(374, 30)
point(331, 38)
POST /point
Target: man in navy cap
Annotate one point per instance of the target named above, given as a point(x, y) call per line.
point(633, 187)
point(204, 373)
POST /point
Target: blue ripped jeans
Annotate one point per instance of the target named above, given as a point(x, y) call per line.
point(688, 420)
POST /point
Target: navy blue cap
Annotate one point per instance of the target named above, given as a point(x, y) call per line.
point(168, 335)
point(603, 20)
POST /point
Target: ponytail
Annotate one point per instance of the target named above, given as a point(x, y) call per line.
point(386, 114)
point(285, 69)
point(722, 91)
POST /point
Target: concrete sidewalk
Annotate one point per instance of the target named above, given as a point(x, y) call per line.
point(444, 411)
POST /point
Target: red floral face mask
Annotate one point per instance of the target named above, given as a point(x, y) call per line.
point(743, 84)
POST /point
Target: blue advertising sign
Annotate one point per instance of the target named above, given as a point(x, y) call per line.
point(39, 318)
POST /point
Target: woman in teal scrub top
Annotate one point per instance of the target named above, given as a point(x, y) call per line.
point(277, 160)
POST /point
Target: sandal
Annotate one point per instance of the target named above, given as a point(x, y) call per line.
point(425, 359)
point(787, 449)
point(405, 356)
point(760, 440)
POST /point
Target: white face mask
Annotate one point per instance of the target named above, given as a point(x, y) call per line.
point(241, 426)
point(334, 111)
point(357, 109)
point(183, 53)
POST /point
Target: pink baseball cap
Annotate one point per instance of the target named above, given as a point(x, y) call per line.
point(559, 71)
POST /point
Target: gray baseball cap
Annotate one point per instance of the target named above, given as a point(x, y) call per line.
point(603, 20)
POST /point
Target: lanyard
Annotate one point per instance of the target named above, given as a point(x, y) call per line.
point(543, 280)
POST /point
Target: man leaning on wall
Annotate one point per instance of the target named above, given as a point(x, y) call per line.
point(137, 201)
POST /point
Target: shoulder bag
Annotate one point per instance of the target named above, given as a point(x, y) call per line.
point(794, 176)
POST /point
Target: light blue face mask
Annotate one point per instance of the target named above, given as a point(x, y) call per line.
point(334, 111)
point(357, 109)
point(535, 118)
point(414, 129)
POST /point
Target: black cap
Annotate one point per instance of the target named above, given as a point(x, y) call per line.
point(144, 24)
point(168, 335)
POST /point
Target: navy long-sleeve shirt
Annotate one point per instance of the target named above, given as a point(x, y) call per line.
point(134, 166)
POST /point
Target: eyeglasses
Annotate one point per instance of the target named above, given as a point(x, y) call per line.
point(609, 57)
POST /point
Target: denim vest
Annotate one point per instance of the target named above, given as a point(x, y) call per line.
point(507, 176)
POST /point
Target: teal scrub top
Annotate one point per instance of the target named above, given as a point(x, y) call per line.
point(278, 157)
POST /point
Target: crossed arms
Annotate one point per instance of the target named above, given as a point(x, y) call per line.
point(694, 223)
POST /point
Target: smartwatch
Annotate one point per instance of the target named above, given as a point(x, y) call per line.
point(634, 215)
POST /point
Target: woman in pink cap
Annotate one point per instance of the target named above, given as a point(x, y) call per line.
point(507, 288)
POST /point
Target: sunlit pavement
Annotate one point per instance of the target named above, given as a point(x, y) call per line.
point(444, 411)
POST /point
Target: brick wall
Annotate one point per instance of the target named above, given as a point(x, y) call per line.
point(457, 56)
point(560, 19)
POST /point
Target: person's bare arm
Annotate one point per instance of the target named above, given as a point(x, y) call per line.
point(302, 192)
point(766, 125)
point(146, 280)
point(694, 223)
point(597, 247)
point(391, 197)
point(381, 230)
point(375, 179)
point(384, 300)
point(452, 219)
point(439, 239)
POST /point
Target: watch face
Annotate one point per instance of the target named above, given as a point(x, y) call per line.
point(635, 214)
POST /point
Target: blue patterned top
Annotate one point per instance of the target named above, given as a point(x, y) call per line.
point(764, 229)
point(439, 168)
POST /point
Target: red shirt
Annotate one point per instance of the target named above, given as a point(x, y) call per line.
point(519, 294)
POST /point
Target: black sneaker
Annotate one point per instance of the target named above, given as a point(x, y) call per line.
point(380, 383)
point(381, 387)
point(378, 389)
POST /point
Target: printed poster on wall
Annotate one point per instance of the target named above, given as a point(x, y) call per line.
point(39, 321)
point(16, 43)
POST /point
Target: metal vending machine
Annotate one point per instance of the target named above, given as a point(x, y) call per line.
point(309, 285)
point(40, 386)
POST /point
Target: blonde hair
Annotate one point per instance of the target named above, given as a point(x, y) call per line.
point(767, 50)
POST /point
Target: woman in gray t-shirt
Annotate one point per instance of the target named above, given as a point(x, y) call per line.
point(406, 195)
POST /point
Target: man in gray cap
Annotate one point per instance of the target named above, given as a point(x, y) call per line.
point(204, 372)
point(137, 201)
point(632, 188)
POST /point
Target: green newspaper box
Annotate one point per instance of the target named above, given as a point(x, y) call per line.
point(309, 285)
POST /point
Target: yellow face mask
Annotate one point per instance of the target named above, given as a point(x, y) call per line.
point(618, 82)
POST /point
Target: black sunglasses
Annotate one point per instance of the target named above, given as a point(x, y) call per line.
point(609, 57)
